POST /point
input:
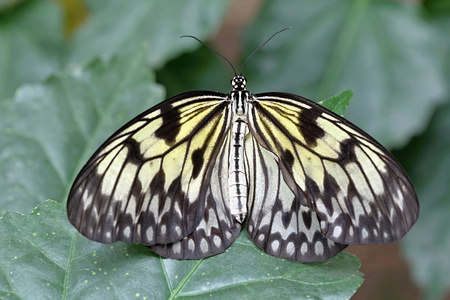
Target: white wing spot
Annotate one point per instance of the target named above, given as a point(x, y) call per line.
point(304, 248)
point(365, 233)
point(275, 245)
point(127, 232)
point(261, 237)
point(176, 248)
point(217, 241)
point(191, 245)
point(204, 246)
point(290, 248)
point(337, 231)
point(385, 235)
point(318, 248)
point(178, 230)
point(163, 229)
point(228, 235)
point(149, 234)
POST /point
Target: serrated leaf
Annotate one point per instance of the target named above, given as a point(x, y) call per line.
point(338, 103)
point(383, 51)
point(46, 258)
point(49, 130)
point(120, 27)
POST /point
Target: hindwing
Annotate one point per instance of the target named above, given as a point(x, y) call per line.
point(278, 223)
point(358, 190)
point(149, 182)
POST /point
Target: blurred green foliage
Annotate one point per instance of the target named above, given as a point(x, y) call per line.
point(64, 90)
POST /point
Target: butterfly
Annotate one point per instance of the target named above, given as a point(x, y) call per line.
point(185, 177)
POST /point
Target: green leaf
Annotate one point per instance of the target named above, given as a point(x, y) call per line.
point(49, 130)
point(31, 44)
point(45, 256)
point(119, 27)
point(383, 51)
point(427, 246)
point(338, 103)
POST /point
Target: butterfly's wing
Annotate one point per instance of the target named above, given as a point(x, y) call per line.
point(278, 223)
point(359, 191)
point(150, 181)
point(218, 229)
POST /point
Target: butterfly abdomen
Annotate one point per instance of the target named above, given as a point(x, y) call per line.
point(237, 181)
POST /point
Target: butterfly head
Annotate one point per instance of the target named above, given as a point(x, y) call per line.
point(238, 83)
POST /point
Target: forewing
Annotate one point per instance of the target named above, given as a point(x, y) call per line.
point(278, 223)
point(359, 191)
point(218, 229)
point(148, 182)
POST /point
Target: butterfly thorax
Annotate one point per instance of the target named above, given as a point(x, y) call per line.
point(237, 181)
point(239, 97)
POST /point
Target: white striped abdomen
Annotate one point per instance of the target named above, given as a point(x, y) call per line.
point(237, 182)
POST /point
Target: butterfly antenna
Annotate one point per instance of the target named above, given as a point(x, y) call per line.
point(262, 45)
point(213, 50)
